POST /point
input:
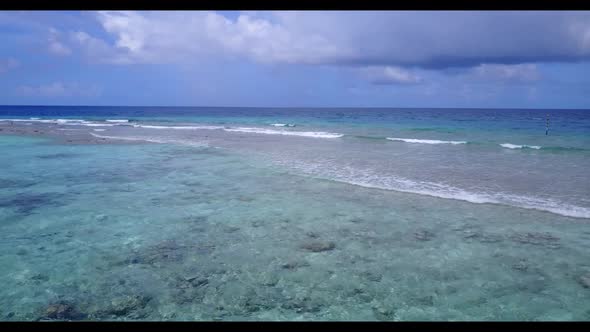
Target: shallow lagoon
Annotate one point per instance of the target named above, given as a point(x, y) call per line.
point(168, 232)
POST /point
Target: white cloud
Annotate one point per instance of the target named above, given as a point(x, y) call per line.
point(58, 89)
point(426, 39)
point(513, 73)
point(164, 37)
point(389, 75)
point(98, 50)
point(8, 64)
point(55, 46)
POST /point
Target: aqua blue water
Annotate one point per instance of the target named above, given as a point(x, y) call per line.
point(451, 218)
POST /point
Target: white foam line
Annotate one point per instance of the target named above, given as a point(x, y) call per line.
point(365, 178)
point(75, 122)
point(128, 138)
point(66, 122)
point(27, 120)
point(315, 134)
point(514, 146)
point(282, 125)
point(424, 141)
point(90, 124)
point(516, 201)
point(249, 130)
point(54, 121)
point(178, 127)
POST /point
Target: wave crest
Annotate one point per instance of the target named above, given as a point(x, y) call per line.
point(515, 146)
point(424, 141)
point(315, 134)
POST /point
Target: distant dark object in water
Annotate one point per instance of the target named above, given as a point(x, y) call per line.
point(292, 265)
point(62, 311)
point(318, 246)
point(40, 277)
point(58, 155)
point(423, 235)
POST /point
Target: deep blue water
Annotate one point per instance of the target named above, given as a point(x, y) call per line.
point(561, 121)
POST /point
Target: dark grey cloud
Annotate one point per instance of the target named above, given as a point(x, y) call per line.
point(437, 40)
point(432, 40)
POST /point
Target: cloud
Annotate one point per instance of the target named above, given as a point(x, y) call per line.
point(389, 75)
point(98, 50)
point(55, 46)
point(168, 37)
point(422, 39)
point(8, 64)
point(507, 73)
point(58, 89)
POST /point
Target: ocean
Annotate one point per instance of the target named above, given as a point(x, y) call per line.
point(197, 213)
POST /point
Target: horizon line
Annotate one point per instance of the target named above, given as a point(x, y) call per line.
point(308, 107)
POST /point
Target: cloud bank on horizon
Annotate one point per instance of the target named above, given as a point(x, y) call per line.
point(385, 58)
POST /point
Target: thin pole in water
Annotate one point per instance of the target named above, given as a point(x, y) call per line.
point(547, 125)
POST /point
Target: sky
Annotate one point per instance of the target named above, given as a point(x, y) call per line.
point(470, 59)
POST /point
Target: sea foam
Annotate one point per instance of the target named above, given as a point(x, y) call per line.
point(282, 125)
point(515, 146)
point(448, 192)
point(315, 134)
point(370, 179)
point(424, 141)
point(178, 127)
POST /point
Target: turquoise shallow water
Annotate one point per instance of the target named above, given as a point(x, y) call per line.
point(239, 226)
